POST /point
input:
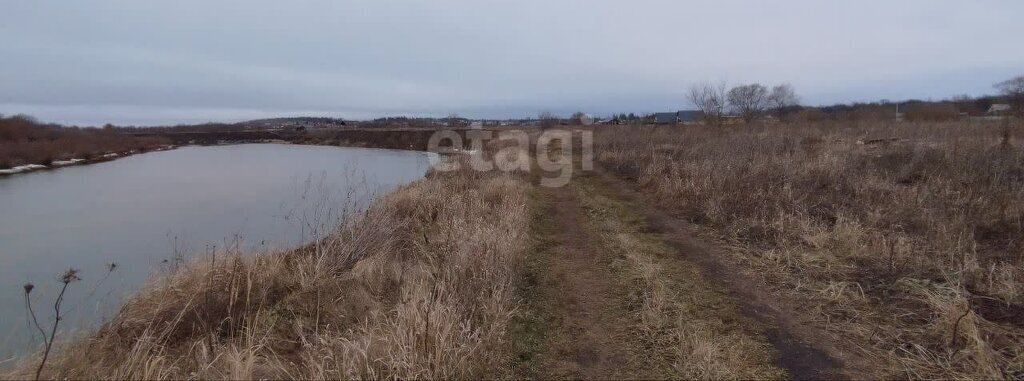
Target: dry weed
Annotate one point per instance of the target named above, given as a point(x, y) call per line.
point(844, 216)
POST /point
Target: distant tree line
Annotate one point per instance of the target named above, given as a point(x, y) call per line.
point(754, 101)
point(24, 140)
point(749, 101)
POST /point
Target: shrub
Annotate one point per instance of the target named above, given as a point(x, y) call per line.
point(26, 141)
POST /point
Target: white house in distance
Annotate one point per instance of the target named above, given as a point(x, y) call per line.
point(999, 109)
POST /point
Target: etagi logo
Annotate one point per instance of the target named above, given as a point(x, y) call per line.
point(553, 150)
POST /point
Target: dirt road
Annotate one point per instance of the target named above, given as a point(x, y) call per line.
point(584, 333)
point(616, 288)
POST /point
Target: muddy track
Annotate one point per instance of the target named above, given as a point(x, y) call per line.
point(577, 318)
point(584, 323)
point(804, 351)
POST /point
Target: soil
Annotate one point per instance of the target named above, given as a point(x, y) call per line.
point(584, 323)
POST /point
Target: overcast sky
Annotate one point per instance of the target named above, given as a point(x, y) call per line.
point(184, 61)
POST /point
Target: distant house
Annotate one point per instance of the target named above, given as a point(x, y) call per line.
point(691, 116)
point(688, 116)
point(999, 109)
point(666, 117)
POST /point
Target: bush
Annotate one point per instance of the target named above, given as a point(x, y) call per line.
point(23, 140)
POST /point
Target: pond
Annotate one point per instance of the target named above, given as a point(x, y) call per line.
point(144, 213)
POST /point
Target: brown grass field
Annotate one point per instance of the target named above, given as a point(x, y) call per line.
point(905, 239)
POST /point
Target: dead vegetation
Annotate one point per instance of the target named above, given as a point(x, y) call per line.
point(26, 141)
point(419, 285)
point(607, 297)
point(910, 247)
point(684, 326)
point(904, 240)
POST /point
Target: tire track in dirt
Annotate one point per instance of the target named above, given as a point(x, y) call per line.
point(805, 352)
point(579, 322)
point(576, 324)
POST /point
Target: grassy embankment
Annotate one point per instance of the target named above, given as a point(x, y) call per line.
point(24, 141)
point(905, 240)
point(420, 285)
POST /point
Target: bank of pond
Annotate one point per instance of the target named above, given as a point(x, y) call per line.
point(124, 221)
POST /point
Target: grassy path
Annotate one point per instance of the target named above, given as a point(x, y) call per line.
point(610, 292)
point(576, 325)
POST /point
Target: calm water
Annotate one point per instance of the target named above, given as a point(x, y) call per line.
point(139, 211)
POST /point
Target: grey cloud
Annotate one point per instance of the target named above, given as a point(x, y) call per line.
point(128, 61)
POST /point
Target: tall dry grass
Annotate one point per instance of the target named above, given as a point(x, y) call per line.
point(419, 285)
point(906, 239)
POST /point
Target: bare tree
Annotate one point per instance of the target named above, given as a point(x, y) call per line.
point(711, 100)
point(782, 98)
point(749, 100)
point(577, 118)
point(1013, 89)
point(547, 120)
point(581, 118)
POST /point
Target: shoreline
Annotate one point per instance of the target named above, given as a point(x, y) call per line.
point(284, 250)
point(361, 251)
point(316, 141)
point(57, 164)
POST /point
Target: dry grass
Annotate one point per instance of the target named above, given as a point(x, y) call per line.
point(417, 286)
point(905, 239)
point(685, 327)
